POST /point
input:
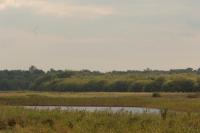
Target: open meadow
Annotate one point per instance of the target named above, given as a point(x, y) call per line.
point(184, 102)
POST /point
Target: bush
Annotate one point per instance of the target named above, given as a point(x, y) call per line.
point(196, 95)
point(155, 94)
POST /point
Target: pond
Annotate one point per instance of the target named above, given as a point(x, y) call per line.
point(136, 110)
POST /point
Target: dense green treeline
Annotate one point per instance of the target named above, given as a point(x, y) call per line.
point(178, 80)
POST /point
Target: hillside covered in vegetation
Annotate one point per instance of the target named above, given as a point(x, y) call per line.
point(34, 79)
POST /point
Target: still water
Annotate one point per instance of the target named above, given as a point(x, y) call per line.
point(138, 110)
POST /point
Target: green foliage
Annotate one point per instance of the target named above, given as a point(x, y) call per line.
point(181, 80)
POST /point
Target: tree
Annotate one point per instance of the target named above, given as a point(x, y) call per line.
point(180, 85)
point(35, 70)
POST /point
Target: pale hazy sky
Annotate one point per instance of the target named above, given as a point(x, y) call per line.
point(99, 34)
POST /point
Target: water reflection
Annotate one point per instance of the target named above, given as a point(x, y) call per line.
point(93, 109)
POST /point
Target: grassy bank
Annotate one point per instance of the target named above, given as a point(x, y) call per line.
point(174, 101)
point(22, 121)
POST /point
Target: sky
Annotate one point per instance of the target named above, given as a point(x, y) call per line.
point(100, 35)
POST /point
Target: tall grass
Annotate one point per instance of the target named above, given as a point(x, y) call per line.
point(19, 120)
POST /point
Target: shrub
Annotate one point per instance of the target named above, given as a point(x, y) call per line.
point(195, 95)
point(155, 94)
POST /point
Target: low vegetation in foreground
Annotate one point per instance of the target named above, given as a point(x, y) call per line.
point(18, 120)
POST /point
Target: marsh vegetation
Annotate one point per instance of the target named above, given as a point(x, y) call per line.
point(172, 101)
point(21, 120)
point(178, 113)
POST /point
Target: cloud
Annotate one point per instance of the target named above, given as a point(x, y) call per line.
point(47, 7)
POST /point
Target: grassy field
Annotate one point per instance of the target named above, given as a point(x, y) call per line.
point(186, 102)
point(18, 120)
point(184, 117)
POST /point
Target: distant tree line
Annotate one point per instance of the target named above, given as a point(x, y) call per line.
point(34, 79)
